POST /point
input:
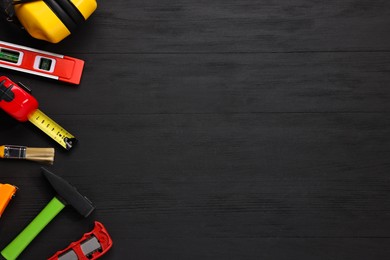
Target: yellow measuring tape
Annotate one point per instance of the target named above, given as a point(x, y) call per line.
point(52, 129)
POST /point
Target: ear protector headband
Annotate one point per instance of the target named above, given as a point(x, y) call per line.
point(52, 20)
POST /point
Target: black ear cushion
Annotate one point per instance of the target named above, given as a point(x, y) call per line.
point(62, 15)
point(72, 11)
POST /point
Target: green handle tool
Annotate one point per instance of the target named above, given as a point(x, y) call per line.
point(16, 247)
point(69, 196)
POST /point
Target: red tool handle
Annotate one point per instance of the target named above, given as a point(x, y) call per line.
point(100, 233)
point(16, 100)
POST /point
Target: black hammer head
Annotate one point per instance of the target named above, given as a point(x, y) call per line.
point(69, 194)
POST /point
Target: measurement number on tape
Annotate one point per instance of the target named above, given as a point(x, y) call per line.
point(52, 129)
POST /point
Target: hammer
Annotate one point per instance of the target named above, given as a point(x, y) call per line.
point(67, 195)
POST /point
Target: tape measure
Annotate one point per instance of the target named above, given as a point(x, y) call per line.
point(41, 63)
point(52, 129)
point(17, 102)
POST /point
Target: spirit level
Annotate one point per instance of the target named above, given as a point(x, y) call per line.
point(17, 102)
point(92, 245)
point(41, 63)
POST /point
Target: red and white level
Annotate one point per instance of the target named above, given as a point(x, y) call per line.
point(40, 63)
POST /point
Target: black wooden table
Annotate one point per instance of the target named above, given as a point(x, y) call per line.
point(217, 130)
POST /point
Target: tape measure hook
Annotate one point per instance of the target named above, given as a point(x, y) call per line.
point(69, 142)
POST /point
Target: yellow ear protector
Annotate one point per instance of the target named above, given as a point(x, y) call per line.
point(52, 20)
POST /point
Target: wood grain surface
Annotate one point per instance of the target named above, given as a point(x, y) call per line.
point(217, 130)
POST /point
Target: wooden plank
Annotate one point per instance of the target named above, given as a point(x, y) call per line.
point(245, 248)
point(219, 83)
point(156, 26)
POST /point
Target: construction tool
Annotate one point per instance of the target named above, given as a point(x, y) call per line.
point(91, 246)
point(37, 154)
point(7, 192)
point(40, 63)
point(67, 195)
point(17, 101)
point(50, 20)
